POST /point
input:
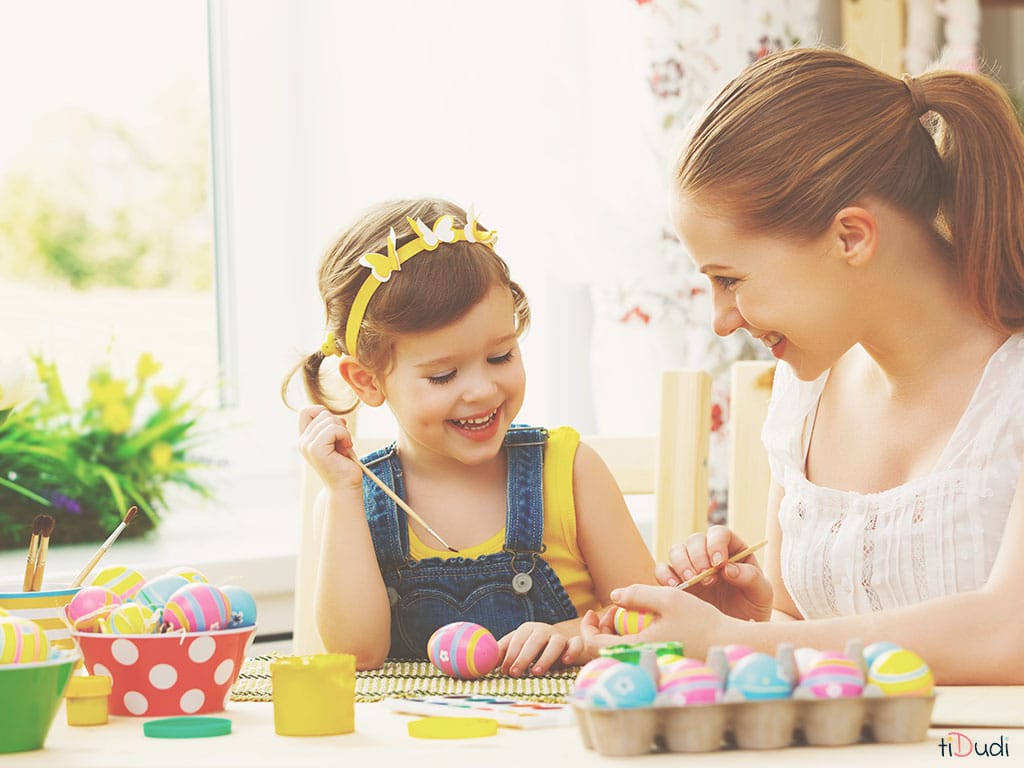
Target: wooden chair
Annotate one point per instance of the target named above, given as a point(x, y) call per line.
point(671, 465)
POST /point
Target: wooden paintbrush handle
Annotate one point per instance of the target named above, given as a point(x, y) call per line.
point(37, 574)
point(30, 563)
point(707, 572)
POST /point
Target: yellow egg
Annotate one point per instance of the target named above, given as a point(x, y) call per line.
point(901, 673)
point(22, 641)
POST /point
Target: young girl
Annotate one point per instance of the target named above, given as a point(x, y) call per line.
point(424, 317)
point(882, 263)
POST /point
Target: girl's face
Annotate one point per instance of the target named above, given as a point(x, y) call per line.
point(787, 294)
point(455, 390)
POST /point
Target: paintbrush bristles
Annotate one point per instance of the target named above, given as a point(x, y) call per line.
point(128, 517)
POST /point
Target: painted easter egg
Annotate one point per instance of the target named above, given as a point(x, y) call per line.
point(901, 673)
point(188, 573)
point(622, 686)
point(154, 592)
point(463, 650)
point(756, 677)
point(689, 681)
point(589, 673)
point(121, 579)
point(832, 675)
point(22, 641)
point(875, 650)
point(130, 619)
point(243, 606)
point(629, 622)
point(89, 606)
point(197, 607)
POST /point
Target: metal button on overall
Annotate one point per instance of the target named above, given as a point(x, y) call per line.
point(522, 583)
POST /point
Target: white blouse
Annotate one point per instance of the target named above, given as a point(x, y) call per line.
point(845, 552)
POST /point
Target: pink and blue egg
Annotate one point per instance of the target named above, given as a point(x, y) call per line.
point(197, 607)
point(832, 675)
point(622, 686)
point(758, 677)
point(22, 641)
point(689, 682)
point(463, 650)
point(589, 673)
point(90, 606)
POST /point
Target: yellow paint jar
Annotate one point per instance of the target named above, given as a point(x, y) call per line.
point(314, 695)
point(87, 699)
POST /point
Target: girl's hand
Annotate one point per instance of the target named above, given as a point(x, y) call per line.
point(325, 442)
point(534, 648)
point(739, 589)
point(678, 616)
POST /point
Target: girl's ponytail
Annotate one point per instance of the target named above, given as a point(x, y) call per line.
point(980, 142)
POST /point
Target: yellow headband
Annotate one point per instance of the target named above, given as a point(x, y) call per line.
point(381, 266)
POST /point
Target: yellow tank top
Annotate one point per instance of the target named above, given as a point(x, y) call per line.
point(561, 551)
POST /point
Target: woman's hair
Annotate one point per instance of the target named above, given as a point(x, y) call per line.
point(802, 133)
point(430, 291)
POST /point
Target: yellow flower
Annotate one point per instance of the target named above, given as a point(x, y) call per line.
point(116, 417)
point(107, 391)
point(165, 395)
point(161, 454)
point(147, 366)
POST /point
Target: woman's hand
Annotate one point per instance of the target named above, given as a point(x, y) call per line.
point(325, 442)
point(678, 616)
point(738, 589)
point(535, 647)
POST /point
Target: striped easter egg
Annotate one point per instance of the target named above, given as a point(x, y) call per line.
point(833, 675)
point(121, 579)
point(623, 686)
point(22, 641)
point(628, 622)
point(154, 593)
point(463, 650)
point(130, 619)
point(689, 681)
point(901, 673)
point(188, 573)
point(197, 607)
point(758, 677)
point(89, 606)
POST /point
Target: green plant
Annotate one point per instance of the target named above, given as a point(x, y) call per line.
point(86, 464)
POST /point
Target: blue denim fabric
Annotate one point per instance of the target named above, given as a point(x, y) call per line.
point(430, 593)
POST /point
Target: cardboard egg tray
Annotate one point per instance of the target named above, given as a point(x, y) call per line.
point(753, 724)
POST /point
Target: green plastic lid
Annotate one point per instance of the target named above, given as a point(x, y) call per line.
point(188, 727)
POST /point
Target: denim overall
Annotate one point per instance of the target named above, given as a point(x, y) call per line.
point(500, 590)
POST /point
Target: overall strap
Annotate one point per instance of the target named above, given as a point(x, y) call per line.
point(525, 490)
point(389, 527)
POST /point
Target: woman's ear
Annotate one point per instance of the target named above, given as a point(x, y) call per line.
point(362, 381)
point(856, 235)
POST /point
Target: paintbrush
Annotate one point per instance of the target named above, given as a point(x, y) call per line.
point(40, 523)
point(705, 573)
point(398, 500)
point(128, 517)
point(46, 528)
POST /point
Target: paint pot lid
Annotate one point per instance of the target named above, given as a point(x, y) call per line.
point(453, 727)
point(188, 727)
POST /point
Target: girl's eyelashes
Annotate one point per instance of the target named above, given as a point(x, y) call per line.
point(443, 378)
point(500, 359)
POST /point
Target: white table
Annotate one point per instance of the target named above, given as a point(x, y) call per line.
point(381, 739)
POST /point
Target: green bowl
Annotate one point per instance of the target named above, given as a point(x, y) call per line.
point(31, 697)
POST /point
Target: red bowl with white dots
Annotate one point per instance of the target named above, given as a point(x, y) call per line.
point(177, 673)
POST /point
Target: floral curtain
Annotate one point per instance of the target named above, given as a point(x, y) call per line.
point(655, 310)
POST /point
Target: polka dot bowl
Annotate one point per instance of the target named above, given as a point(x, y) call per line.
point(175, 673)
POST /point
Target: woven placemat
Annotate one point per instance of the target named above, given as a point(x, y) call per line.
point(406, 679)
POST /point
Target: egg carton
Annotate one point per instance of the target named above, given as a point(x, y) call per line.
point(771, 724)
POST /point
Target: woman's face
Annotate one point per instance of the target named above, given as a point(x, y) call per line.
point(788, 294)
